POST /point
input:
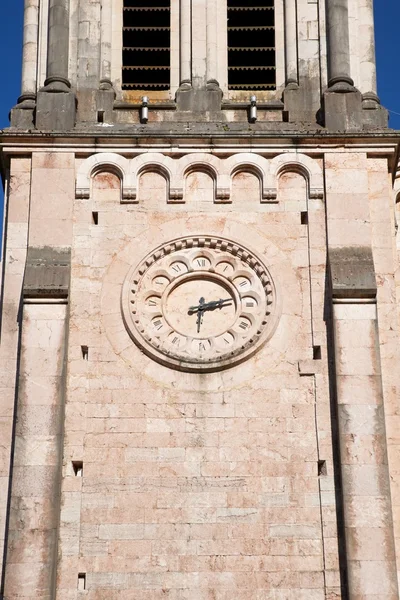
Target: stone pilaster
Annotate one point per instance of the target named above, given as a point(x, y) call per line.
point(302, 93)
point(369, 539)
point(291, 92)
point(16, 207)
point(199, 90)
point(185, 43)
point(368, 525)
point(212, 46)
point(106, 40)
point(292, 76)
point(106, 93)
point(37, 456)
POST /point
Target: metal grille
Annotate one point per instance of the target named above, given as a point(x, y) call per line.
point(146, 45)
point(251, 45)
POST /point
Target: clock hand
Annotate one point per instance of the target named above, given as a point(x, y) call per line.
point(200, 313)
point(217, 303)
point(209, 305)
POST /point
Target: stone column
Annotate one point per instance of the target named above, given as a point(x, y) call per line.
point(106, 42)
point(342, 101)
point(30, 50)
point(366, 46)
point(291, 42)
point(22, 114)
point(337, 25)
point(58, 46)
point(186, 43)
point(212, 45)
point(56, 103)
point(343, 108)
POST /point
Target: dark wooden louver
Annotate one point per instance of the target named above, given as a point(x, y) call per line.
point(146, 45)
point(251, 45)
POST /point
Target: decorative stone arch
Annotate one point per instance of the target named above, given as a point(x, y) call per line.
point(208, 163)
point(252, 163)
point(103, 162)
point(302, 164)
point(158, 163)
point(153, 162)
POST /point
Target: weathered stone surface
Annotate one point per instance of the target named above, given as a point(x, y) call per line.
point(55, 111)
point(342, 111)
point(352, 272)
point(22, 115)
point(47, 273)
point(200, 101)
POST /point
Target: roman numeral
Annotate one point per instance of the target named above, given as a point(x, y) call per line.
point(175, 341)
point(243, 325)
point(202, 347)
point(201, 262)
point(157, 324)
point(176, 268)
point(152, 302)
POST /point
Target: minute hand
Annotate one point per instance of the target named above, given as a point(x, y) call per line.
point(209, 305)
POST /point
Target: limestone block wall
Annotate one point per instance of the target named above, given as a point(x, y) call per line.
point(269, 479)
point(195, 485)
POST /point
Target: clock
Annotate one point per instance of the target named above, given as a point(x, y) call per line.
point(200, 303)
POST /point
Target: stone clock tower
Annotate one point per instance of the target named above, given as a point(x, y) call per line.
point(199, 352)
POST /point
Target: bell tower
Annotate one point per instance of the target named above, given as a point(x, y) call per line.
point(199, 340)
point(92, 62)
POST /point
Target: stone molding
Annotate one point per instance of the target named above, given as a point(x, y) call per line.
point(221, 170)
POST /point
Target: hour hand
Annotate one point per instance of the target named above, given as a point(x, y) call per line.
point(217, 303)
point(209, 305)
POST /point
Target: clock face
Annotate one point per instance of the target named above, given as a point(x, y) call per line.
point(200, 304)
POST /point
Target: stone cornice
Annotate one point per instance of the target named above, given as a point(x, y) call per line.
point(213, 138)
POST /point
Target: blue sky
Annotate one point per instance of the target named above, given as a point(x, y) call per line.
point(387, 15)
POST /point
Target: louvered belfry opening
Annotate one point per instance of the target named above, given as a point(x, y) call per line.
point(146, 45)
point(251, 45)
